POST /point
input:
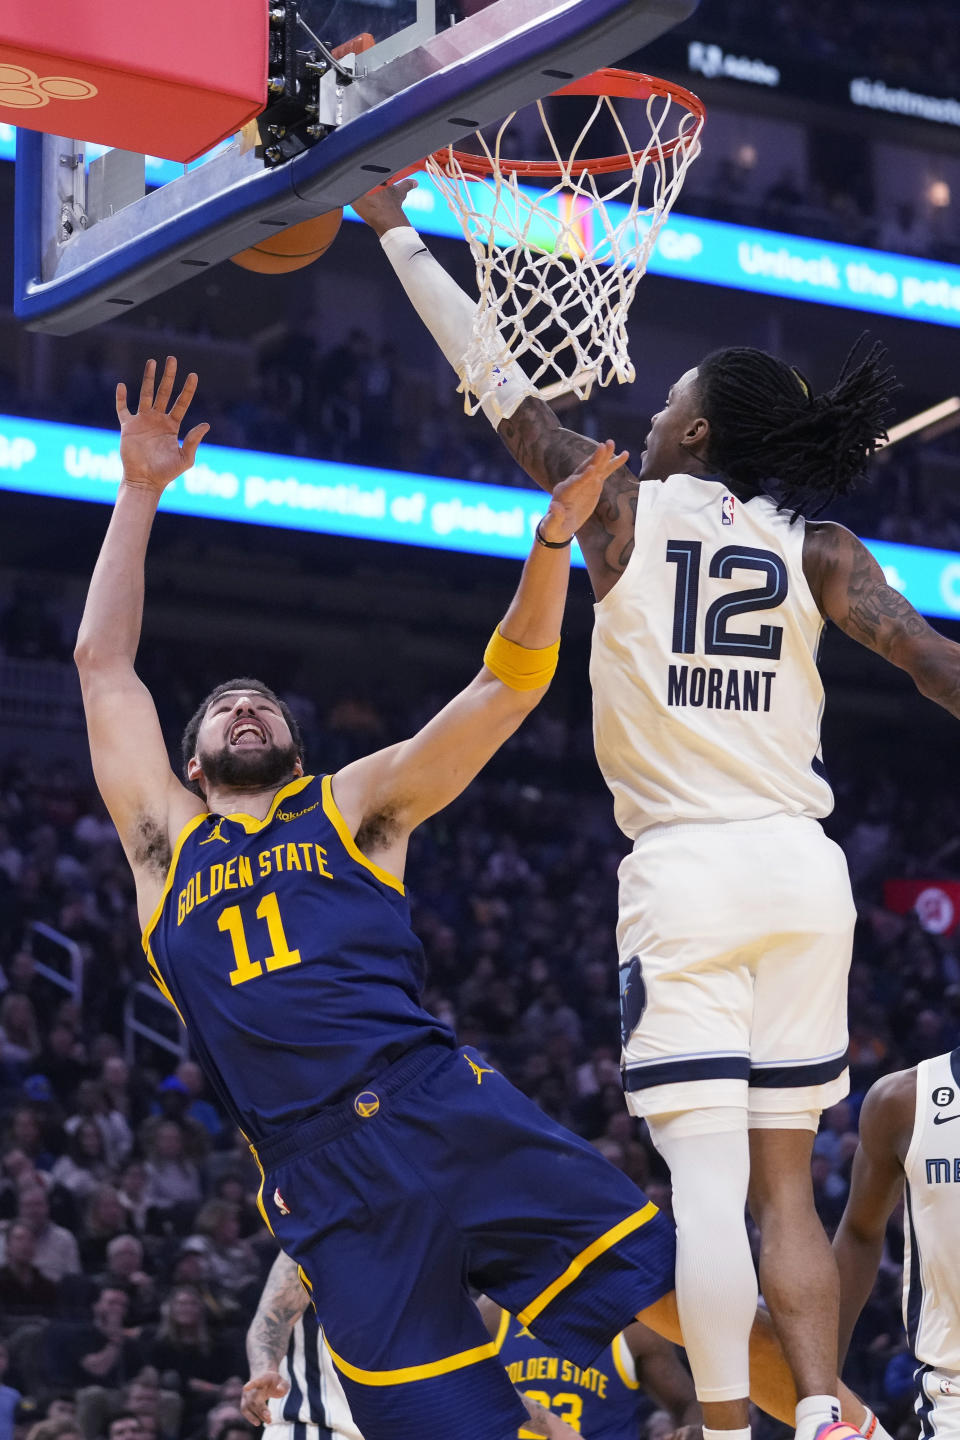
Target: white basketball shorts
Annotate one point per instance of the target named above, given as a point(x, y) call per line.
point(938, 1403)
point(734, 941)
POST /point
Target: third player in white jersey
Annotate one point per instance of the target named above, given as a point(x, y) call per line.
point(931, 1276)
point(910, 1145)
point(315, 1407)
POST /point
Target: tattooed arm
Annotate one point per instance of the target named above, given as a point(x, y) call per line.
point(851, 590)
point(283, 1301)
point(549, 453)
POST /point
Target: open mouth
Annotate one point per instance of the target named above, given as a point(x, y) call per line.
point(247, 732)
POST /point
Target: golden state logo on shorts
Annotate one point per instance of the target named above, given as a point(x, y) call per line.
point(366, 1104)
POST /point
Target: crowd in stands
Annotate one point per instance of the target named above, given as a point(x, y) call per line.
point(131, 1251)
point(912, 44)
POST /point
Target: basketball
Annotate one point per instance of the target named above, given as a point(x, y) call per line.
point(292, 248)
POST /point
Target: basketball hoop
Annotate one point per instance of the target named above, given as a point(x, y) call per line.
point(557, 269)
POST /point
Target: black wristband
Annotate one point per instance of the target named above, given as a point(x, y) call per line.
point(551, 544)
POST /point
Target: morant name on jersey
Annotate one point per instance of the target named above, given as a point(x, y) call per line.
point(718, 689)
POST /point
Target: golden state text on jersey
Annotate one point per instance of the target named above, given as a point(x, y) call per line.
point(601, 1401)
point(289, 957)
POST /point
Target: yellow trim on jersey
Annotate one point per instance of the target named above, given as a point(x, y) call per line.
point(251, 824)
point(617, 1349)
point(349, 844)
point(151, 924)
point(406, 1373)
point(304, 1279)
point(580, 1262)
point(502, 1329)
point(263, 1180)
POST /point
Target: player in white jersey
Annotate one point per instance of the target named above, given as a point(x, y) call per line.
point(736, 917)
point(904, 1146)
point(295, 1381)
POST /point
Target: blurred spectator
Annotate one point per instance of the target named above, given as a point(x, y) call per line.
point(101, 1353)
point(55, 1252)
point(172, 1179)
point(25, 1292)
point(9, 1397)
point(93, 1104)
point(19, 1034)
point(230, 1262)
point(184, 1348)
point(84, 1165)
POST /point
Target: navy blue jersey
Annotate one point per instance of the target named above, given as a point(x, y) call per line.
point(601, 1402)
point(289, 957)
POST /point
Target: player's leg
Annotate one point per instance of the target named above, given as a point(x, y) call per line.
point(348, 1197)
point(708, 1155)
point(687, 999)
point(798, 1055)
point(798, 1274)
point(771, 1382)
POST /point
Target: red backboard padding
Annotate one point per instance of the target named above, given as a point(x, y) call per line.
point(160, 79)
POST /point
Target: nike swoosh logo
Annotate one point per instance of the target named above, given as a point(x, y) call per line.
point(942, 1119)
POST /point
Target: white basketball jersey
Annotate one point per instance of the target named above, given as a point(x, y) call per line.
point(706, 695)
point(931, 1278)
point(315, 1407)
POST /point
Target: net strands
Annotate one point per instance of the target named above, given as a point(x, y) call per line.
point(556, 272)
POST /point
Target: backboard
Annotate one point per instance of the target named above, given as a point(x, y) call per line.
point(93, 240)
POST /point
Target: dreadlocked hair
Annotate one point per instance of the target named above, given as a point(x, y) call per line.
point(771, 432)
point(188, 741)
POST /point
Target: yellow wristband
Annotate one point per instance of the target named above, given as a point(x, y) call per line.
point(518, 667)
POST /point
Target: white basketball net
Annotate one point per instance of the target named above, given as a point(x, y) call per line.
point(545, 296)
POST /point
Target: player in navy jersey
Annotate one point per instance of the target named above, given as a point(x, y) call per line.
point(396, 1166)
point(605, 1400)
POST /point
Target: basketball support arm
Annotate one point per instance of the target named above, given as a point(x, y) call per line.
point(449, 314)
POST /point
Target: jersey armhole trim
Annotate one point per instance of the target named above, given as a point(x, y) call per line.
point(503, 1325)
point(919, 1116)
point(349, 844)
point(151, 924)
point(617, 1348)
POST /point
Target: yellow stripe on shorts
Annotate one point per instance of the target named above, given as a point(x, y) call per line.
point(580, 1262)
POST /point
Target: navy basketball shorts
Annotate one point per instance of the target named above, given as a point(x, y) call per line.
point(438, 1178)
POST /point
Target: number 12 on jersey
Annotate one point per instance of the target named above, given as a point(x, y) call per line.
point(718, 638)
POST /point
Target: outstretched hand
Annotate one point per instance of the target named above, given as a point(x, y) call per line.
point(575, 499)
point(257, 1392)
point(150, 447)
point(382, 208)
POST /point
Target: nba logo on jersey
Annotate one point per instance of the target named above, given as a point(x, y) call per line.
point(280, 1203)
point(726, 509)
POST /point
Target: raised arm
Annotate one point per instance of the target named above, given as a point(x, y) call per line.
point(526, 425)
point(876, 1184)
point(145, 800)
point(852, 591)
point(385, 795)
point(282, 1303)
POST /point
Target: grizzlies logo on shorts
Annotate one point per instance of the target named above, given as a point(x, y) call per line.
point(633, 997)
